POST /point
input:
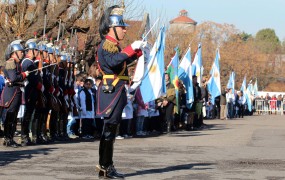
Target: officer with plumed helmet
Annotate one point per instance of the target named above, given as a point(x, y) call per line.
point(111, 94)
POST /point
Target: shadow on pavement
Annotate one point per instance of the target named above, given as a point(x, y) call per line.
point(7, 157)
point(171, 168)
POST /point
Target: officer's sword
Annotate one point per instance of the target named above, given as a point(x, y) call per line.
point(43, 67)
point(150, 29)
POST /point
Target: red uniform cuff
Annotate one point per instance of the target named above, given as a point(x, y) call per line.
point(65, 92)
point(56, 91)
point(71, 92)
point(24, 75)
point(138, 53)
point(51, 89)
point(39, 86)
point(129, 51)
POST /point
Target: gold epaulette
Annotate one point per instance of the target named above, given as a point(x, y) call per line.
point(10, 64)
point(110, 46)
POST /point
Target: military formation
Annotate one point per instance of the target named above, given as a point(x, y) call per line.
point(39, 78)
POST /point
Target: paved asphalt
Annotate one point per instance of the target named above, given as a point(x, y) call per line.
point(248, 148)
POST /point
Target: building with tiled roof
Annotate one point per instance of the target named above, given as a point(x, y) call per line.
point(182, 24)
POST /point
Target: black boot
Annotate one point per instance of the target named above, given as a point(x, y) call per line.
point(112, 173)
point(117, 174)
point(10, 143)
point(6, 132)
point(168, 126)
point(109, 172)
point(106, 168)
point(26, 141)
point(12, 130)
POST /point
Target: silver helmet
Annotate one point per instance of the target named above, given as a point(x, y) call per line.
point(31, 44)
point(116, 18)
point(13, 47)
point(63, 56)
point(42, 46)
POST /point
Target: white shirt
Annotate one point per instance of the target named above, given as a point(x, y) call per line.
point(230, 97)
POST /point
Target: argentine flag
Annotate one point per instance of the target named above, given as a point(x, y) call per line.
point(153, 82)
point(214, 83)
point(248, 97)
point(246, 93)
point(185, 75)
point(231, 82)
point(243, 85)
point(255, 89)
point(197, 64)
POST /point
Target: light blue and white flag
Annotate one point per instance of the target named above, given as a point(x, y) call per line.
point(250, 87)
point(197, 64)
point(243, 85)
point(153, 83)
point(140, 67)
point(231, 82)
point(185, 75)
point(214, 83)
point(248, 96)
point(255, 89)
point(246, 93)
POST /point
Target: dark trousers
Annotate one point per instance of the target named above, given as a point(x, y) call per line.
point(169, 116)
point(124, 127)
point(241, 111)
point(154, 122)
point(106, 146)
point(27, 120)
point(9, 117)
point(99, 125)
point(53, 123)
point(10, 124)
point(87, 126)
point(107, 140)
point(62, 123)
point(230, 110)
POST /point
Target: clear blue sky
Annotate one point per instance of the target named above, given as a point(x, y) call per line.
point(249, 16)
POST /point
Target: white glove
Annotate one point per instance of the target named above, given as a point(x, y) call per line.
point(66, 97)
point(58, 93)
point(43, 88)
point(138, 44)
point(42, 74)
point(27, 73)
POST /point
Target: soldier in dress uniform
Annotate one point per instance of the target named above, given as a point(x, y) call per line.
point(111, 94)
point(63, 97)
point(11, 94)
point(55, 111)
point(33, 87)
point(42, 112)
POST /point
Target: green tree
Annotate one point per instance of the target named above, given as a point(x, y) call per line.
point(244, 36)
point(267, 41)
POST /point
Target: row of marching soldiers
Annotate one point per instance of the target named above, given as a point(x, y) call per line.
point(39, 79)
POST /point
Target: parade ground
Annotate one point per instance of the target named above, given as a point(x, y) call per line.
point(248, 148)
